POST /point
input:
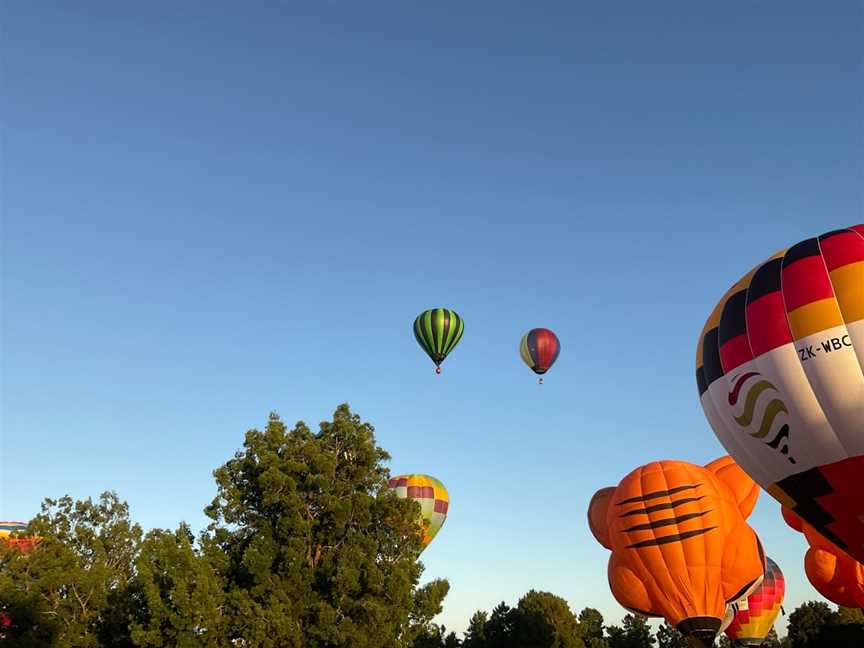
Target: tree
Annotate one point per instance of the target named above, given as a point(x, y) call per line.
point(543, 620)
point(475, 635)
point(806, 623)
point(635, 633)
point(669, 637)
point(499, 628)
point(182, 594)
point(591, 622)
point(318, 551)
point(771, 640)
point(76, 589)
point(846, 615)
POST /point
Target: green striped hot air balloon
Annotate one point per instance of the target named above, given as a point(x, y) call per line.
point(438, 331)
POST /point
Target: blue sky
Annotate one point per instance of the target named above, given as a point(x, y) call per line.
point(215, 210)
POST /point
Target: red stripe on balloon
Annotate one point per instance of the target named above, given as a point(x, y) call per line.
point(767, 326)
point(735, 353)
point(805, 281)
point(842, 249)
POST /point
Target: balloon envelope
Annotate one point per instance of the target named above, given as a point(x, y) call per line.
point(539, 349)
point(779, 373)
point(432, 497)
point(681, 546)
point(755, 614)
point(24, 543)
point(438, 331)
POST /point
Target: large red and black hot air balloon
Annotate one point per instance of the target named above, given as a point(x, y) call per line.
point(779, 371)
point(539, 349)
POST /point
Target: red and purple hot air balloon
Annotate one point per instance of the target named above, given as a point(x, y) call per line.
point(539, 349)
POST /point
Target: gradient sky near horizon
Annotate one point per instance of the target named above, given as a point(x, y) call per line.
point(212, 210)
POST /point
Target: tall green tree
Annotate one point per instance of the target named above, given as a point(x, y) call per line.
point(543, 620)
point(318, 551)
point(499, 628)
point(77, 589)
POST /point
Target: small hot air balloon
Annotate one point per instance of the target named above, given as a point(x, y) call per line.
point(835, 575)
point(432, 497)
point(756, 613)
point(681, 546)
point(778, 369)
point(24, 543)
point(539, 349)
point(438, 331)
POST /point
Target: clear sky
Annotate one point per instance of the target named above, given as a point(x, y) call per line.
point(212, 210)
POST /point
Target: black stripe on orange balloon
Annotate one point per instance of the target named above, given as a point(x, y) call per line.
point(653, 542)
point(656, 524)
point(656, 494)
point(661, 507)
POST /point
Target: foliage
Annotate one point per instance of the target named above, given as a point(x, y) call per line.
point(319, 551)
point(307, 547)
point(543, 620)
point(634, 633)
point(475, 635)
point(669, 637)
point(806, 623)
point(182, 594)
point(77, 589)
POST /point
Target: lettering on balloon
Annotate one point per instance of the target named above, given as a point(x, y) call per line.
point(823, 348)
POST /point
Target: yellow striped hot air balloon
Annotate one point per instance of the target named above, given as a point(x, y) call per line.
point(432, 497)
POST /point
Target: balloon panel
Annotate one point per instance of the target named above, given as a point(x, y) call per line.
point(438, 331)
point(432, 497)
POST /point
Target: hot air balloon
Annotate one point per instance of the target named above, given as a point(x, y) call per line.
point(681, 546)
point(438, 331)
point(779, 372)
point(539, 349)
point(432, 497)
point(24, 543)
point(755, 614)
point(835, 575)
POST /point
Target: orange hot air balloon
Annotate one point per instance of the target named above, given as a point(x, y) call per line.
point(681, 546)
point(835, 575)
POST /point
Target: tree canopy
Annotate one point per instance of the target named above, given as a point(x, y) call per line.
point(307, 547)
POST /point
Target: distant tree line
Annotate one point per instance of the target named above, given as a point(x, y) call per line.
point(306, 548)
